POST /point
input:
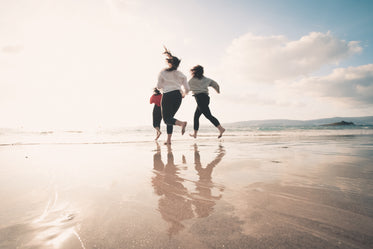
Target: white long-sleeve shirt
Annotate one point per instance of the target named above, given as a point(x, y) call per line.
point(201, 85)
point(172, 80)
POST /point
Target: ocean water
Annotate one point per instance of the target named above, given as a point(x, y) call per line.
point(13, 137)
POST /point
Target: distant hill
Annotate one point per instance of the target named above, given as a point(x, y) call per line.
point(360, 121)
point(342, 123)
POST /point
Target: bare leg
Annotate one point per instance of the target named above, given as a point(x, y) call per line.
point(182, 124)
point(168, 142)
point(221, 130)
point(194, 134)
point(158, 133)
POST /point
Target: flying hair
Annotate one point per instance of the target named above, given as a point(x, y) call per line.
point(173, 60)
point(167, 52)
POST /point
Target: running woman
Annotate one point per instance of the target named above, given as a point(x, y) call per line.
point(171, 81)
point(199, 86)
point(157, 113)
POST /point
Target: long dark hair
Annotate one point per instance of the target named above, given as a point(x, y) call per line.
point(173, 60)
point(197, 71)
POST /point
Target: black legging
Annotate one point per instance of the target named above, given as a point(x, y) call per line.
point(203, 101)
point(157, 116)
point(171, 102)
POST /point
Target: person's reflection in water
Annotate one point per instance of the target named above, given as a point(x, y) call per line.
point(158, 166)
point(203, 200)
point(174, 204)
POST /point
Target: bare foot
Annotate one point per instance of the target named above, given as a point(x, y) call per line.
point(183, 126)
point(222, 130)
point(158, 134)
point(193, 135)
point(167, 143)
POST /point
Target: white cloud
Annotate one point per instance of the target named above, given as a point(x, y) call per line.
point(253, 62)
point(273, 58)
point(352, 85)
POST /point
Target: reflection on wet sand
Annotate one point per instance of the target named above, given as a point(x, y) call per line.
point(203, 199)
point(174, 204)
point(177, 203)
point(272, 193)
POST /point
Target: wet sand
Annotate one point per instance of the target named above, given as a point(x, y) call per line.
point(240, 192)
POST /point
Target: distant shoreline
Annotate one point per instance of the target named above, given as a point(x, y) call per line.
point(357, 121)
point(342, 123)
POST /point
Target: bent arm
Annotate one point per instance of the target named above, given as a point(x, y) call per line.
point(215, 85)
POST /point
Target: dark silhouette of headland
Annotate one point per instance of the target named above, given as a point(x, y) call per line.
point(342, 123)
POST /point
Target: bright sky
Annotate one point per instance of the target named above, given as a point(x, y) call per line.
point(93, 63)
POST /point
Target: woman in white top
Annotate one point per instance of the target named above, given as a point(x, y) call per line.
point(170, 81)
point(199, 86)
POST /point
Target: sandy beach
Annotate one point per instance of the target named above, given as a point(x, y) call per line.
point(270, 105)
point(238, 192)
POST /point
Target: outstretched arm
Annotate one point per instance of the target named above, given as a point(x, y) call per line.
point(186, 85)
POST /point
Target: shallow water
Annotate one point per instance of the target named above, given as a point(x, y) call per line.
point(238, 192)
